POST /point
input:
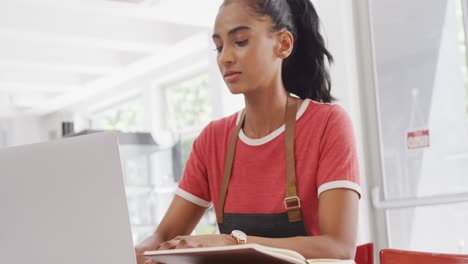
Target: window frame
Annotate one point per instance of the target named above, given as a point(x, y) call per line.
point(464, 7)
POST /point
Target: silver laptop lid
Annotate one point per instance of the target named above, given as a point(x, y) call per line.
point(64, 202)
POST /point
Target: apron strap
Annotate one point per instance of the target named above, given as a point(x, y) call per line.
point(228, 169)
point(292, 202)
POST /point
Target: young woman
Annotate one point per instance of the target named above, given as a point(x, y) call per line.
point(283, 172)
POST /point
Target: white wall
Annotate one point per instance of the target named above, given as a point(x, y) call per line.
point(23, 130)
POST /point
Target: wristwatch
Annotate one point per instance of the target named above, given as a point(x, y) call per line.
point(240, 236)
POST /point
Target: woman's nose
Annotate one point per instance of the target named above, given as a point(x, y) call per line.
point(226, 57)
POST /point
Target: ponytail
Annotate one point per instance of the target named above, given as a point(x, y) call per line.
point(304, 72)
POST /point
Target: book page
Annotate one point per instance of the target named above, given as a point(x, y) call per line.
point(285, 254)
point(231, 254)
point(226, 254)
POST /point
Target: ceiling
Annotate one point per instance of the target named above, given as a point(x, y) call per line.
point(58, 53)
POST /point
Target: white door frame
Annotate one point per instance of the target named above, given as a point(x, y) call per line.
point(371, 127)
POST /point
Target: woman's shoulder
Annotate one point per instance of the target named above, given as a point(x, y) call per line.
point(328, 120)
point(324, 111)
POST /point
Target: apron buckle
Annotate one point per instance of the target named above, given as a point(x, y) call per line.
point(292, 203)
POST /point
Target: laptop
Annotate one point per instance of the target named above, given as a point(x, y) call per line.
point(64, 202)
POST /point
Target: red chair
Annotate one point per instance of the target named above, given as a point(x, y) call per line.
point(394, 256)
point(365, 254)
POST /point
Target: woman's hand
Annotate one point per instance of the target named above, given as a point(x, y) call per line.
point(180, 219)
point(190, 242)
point(139, 255)
point(198, 241)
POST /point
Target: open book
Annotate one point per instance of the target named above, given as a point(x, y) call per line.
point(246, 253)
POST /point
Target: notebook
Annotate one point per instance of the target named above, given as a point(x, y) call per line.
point(64, 202)
point(245, 253)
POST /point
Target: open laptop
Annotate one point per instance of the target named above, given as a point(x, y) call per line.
point(64, 202)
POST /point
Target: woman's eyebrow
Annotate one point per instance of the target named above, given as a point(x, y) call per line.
point(232, 31)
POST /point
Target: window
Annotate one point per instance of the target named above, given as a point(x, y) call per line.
point(126, 117)
point(190, 109)
point(139, 162)
point(412, 175)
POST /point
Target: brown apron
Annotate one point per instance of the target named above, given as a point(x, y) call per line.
point(287, 224)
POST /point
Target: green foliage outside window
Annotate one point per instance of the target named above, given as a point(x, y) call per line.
point(127, 117)
point(189, 102)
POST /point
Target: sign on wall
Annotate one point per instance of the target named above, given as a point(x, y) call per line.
point(418, 139)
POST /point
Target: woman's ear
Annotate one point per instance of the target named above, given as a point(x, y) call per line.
point(285, 44)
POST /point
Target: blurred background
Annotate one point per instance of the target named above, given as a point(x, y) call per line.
point(147, 68)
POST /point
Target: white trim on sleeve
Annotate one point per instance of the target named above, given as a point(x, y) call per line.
point(339, 184)
point(192, 198)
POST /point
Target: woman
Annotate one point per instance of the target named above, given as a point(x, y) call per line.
point(284, 171)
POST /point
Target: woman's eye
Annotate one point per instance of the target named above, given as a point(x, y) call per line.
point(238, 43)
point(242, 43)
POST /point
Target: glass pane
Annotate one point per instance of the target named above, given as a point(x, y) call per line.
point(421, 89)
point(141, 232)
point(162, 197)
point(2, 138)
point(161, 163)
point(136, 171)
point(434, 229)
point(140, 205)
point(164, 183)
point(207, 224)
point(462, 45)
point(126, 117)
point(189, 110)
point(189, 104)
point(187, 144)
point(421, 81)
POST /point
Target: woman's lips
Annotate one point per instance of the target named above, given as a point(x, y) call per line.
point(231, 76)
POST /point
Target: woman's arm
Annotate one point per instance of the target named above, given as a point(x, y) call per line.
point(338, 217)
point(179, 220)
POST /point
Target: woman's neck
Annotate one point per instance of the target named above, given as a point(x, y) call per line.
point(265, 111)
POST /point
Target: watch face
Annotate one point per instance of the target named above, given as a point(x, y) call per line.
point(239, 235)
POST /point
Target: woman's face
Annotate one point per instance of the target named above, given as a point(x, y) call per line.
point(245, 46)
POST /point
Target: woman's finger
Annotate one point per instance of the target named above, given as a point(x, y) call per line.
point(185, 243)
point(171, 244)
point(149, 261)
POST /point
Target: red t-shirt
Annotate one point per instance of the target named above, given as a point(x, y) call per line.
point(325, 154)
